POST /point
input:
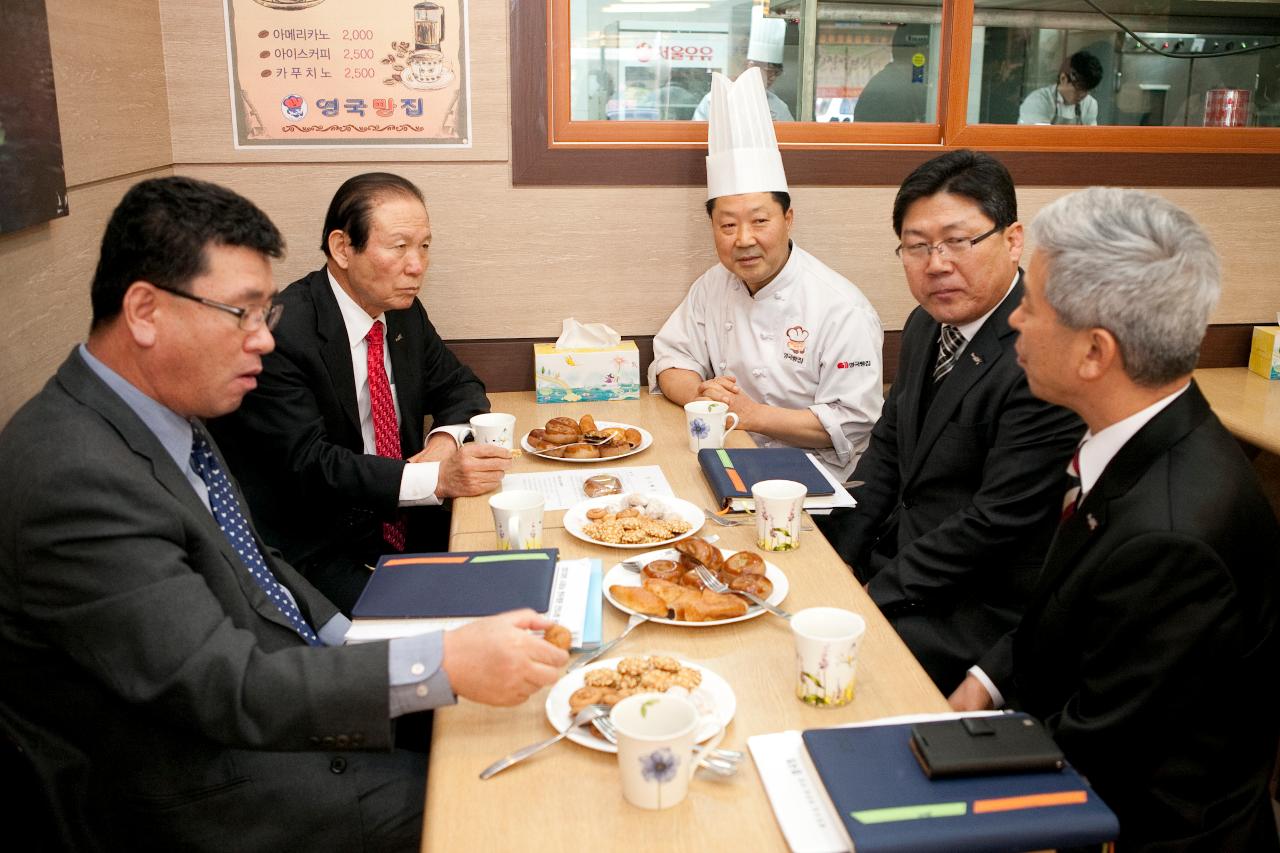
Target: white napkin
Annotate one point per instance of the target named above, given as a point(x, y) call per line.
point(575, 335)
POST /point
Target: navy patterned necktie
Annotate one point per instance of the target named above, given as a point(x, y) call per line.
point(226, 511)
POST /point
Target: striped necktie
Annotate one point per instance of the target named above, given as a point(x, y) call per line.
point(949, 344)
point(231, 520)
point(1071, 500)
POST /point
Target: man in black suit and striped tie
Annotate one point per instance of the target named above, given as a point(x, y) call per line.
point(965, 469)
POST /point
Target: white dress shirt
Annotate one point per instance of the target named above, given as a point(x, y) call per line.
point(808, 339)
point(1096, 452)
point(418, 483)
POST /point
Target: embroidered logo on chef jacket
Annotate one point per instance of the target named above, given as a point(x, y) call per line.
point(845, 365)
point(796, 337)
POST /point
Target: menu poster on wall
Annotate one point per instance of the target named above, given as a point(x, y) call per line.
point(345, 73)
point(33, 185)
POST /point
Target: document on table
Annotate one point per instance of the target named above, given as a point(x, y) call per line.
point(805, 814)
point(563, 489)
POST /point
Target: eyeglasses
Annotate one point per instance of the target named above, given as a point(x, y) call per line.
point(251, 319)
point(954, 248)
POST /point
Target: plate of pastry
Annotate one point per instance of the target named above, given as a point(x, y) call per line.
point(633, 521)
point(667, 588)
point(609, 681)
point(585, 440)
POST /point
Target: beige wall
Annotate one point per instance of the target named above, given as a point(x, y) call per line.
point(506, 262)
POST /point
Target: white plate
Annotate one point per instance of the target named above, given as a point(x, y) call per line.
point(575, 518)
point(714, 697)
point(621, 577)
point(646, 439)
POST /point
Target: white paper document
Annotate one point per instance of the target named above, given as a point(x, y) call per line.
point(563, 489)
point(805, 815)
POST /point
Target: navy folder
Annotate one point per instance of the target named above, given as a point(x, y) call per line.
point(732, 472)
point(886, 802)
point(471, 583)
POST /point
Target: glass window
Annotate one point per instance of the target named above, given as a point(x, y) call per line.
point(639, 60)
point(1163, 63)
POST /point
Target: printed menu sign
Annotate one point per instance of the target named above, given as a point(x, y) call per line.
point(342, 73)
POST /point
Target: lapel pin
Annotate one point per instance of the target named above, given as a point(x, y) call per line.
point(399, 337)
point(1093, 522)
point(977, 359)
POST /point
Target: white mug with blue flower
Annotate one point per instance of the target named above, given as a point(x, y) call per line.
point(706, 420)
point(656, 747)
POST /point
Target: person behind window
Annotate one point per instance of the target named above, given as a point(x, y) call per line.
point(1069, 101)
point(764, 51)
point(897, 91)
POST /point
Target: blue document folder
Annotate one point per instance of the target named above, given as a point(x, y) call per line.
point(472, 583)
point(731, 473)
point(886, 802)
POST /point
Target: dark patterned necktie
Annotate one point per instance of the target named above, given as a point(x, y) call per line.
point(1071, 500)
point(948, 351)
point(226, 511)
point(386, 429)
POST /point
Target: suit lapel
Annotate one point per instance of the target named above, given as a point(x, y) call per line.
point(335, 349)
point(84, 385)
point(407, 371)
point(986, 348)
point(1124, 470)
point(912, 381)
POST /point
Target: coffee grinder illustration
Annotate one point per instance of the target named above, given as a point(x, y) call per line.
point(426, 67)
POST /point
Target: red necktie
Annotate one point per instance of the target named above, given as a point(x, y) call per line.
point(386, 430)
point(1072, 498)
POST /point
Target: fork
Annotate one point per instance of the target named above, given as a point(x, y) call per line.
point(636, 619)
point(738, 522)
point(716, 585)
point(585, 716)
point(723, 762)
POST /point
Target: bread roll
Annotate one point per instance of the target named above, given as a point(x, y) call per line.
point(712, 606)
point(634, 438)
point(581, 451)
point(562, 431)
point(700, 551)
point(744, 563)
point(665, 570)
point(757, 584)
point(611, 450)
point(640, 600)
point(586, 424)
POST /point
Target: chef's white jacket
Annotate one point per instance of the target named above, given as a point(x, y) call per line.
point(809, 339)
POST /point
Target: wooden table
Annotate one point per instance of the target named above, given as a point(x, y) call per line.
point(1247, 404)
point(569, 798)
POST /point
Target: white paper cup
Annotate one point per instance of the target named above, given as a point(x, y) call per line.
point(655, 747)
point(827, 641)
point(779, 504)
point(706, 422)
point(495, 428)
point(517, 518)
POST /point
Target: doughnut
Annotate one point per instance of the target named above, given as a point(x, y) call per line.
point(597, 512)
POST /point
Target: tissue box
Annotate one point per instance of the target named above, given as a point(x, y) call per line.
point(588, 373)
point(1264, 357)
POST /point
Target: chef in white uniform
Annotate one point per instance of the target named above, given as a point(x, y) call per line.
point(765, 48)
point(791, 346)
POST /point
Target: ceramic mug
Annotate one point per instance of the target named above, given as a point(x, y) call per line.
point(656, 755)
point(517, 518)
point(778, 506)
point(494, 428)
point(706, 421)
point(827, 641)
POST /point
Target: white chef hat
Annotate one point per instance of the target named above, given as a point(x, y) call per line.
point(768, 37)
point(742, 150)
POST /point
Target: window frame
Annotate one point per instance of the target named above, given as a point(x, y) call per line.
point(550, 149)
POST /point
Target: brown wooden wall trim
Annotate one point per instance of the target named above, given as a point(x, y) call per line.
point(507, 365)
point(535, 162)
